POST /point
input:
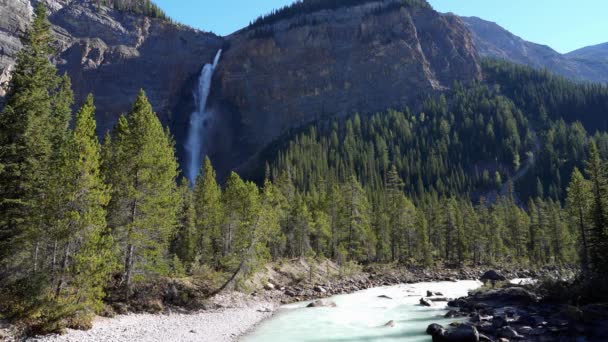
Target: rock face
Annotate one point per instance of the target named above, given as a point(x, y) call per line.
point(491, 40)
point(337, 62)
point(14, 18)
point(333, 62)
point(113, 54)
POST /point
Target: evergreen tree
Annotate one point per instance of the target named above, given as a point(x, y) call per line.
point(183, 242)
point(578, 203)
point(87, 258)
point(145, 202)
point(26, 127)
point(599, 212)
point(209, 210)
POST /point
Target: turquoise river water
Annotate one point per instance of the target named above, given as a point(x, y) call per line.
point(362, 316)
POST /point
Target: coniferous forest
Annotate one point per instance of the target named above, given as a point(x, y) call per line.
point(509, 170)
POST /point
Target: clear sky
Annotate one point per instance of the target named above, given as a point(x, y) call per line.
point(565, 25)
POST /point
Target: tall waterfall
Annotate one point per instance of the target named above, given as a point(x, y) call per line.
point(199, 121)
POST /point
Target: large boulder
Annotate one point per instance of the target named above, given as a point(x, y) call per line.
point(492, 276)
point(509, 296)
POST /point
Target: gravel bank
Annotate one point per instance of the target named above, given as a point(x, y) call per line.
point(222, 325)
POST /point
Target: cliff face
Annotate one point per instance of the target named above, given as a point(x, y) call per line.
point(336, 62)
point(493, 41)
point(363, 59)
point(113, 54)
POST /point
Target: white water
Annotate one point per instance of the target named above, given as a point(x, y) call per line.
point(361, 316)
point(199, 121)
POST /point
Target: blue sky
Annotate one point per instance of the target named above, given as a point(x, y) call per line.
point(565, 25)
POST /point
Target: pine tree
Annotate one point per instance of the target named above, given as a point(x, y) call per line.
point(209, 210)
point(142, 171)
point(241, 204)
point(578, 203)
point(25, 147)
point(87, 258)
point(183, 242)
point(599, 212)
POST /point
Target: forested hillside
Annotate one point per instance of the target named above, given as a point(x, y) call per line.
point(143, 7)
point(303, 7)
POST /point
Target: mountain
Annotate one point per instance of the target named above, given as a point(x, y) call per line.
point(325, 59)
point(113, 54)
point(491, 40)
point(596, 52)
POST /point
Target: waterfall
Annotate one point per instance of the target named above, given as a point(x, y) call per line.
point(199, 121)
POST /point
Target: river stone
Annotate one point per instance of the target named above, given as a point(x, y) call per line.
point(452, 314)
point(464, 333)
point(434, 329)
point(425, 302)
point(269, 287)
point(322, 304)
point(390, 324)
point(385, 297)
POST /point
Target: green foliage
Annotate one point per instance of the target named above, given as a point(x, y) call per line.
point(142, 171)
point(303, 7)
point(209, 209)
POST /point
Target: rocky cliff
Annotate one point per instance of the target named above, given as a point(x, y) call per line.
point(362, 58)
point(493, 41)
point(113, 54)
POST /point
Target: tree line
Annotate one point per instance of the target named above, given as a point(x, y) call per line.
point(303, 7)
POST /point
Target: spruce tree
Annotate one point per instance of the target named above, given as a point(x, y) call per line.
point(209, 215)
point(183, 242)
point(142, 171)
point(87, 258)
point(595, 168)
point(578, 203)
point(26, 130)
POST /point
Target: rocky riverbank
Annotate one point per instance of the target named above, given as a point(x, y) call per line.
point(181, 308)
point(516, 312)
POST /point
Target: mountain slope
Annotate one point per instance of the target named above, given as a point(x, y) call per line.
point(595, 52)
point(113, 54)
point(333, 62)
point(363, 55)
point(491, 40)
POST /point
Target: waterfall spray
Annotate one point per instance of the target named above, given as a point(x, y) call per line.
point(199, 121)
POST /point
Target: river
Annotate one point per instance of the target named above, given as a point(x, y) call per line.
point(362, 316)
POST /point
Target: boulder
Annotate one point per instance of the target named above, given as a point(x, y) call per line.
point(462, 333)
point(268, 287)
point(452, 314)
point(458, 303)
point(384, 297)
point(492, 276)
point(434, 329)
point(425, 302)
point(509, 296)
point(429, 294)
point(290, 293)
point(319, 289)
point(322, 304)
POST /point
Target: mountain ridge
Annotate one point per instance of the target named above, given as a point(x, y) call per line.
point(494, 41)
